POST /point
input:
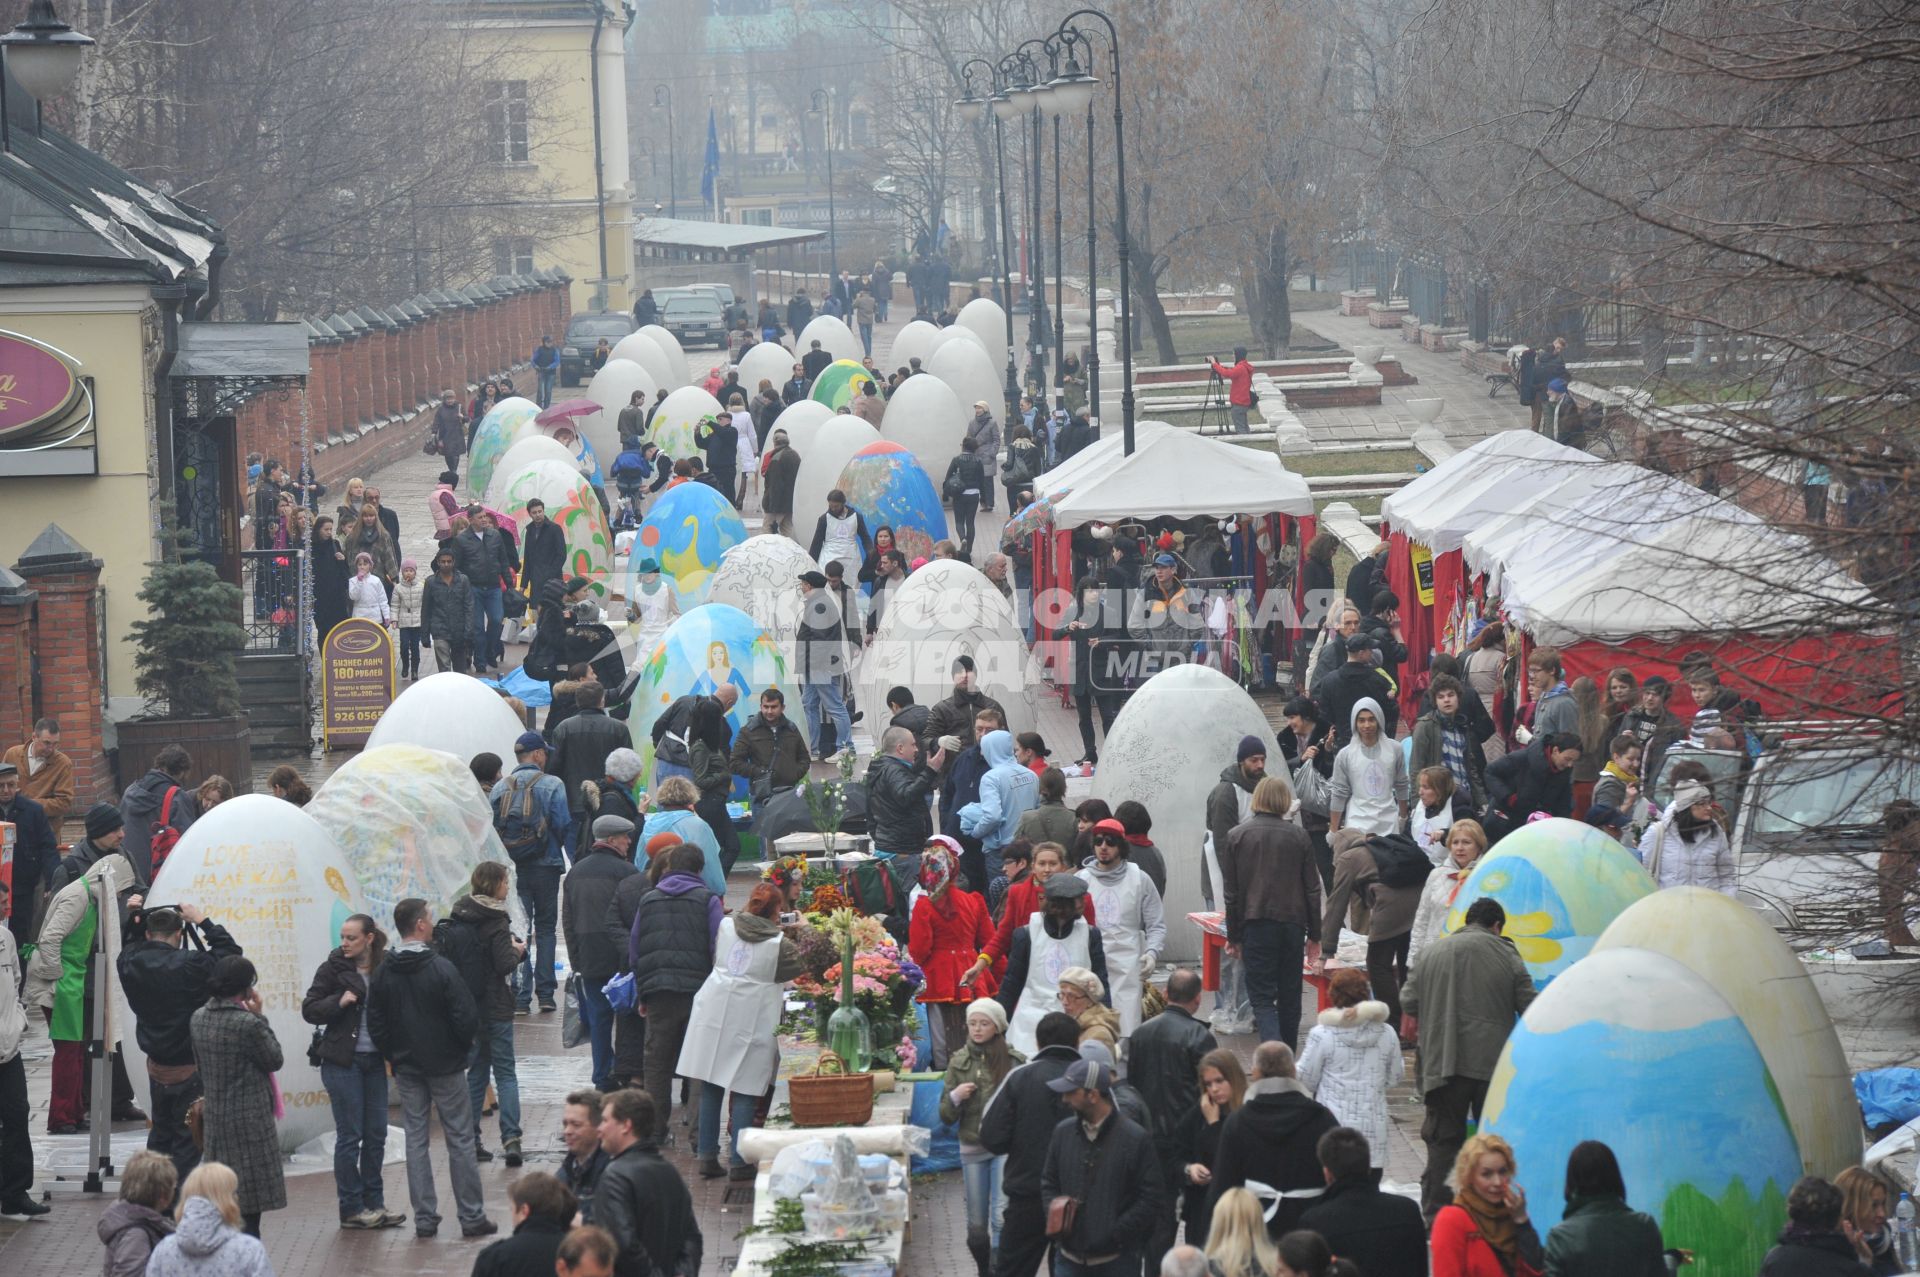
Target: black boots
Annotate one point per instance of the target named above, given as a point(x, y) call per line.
point(982, 1252)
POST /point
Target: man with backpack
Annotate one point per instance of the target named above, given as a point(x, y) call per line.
point(1382, 876)
point(530, 815)
point(672, 749)
point(157, 809)
point(593, 881)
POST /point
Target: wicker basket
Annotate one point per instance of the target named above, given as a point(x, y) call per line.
point(830, 1097)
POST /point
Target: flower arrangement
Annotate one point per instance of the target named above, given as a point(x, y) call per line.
point(827, 800)
point(825, 899)
point(884, 981)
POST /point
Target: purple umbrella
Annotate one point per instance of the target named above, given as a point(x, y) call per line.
point(566, 410)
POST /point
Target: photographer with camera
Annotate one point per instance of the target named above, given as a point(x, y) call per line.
point(1239, 379)
point(165, 962)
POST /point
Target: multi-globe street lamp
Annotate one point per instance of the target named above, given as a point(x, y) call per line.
point(972, 109)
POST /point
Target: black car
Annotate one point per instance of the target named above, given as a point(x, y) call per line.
point(583, 334)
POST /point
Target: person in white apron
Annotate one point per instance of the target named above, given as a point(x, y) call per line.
point(730, 1048)
point(1132, 922)
point(1056, 938)
point(840, 535)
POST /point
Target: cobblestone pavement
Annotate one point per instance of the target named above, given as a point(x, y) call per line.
point(1469, 414)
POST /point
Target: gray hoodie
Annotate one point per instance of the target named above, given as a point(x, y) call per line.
point(1369, 785)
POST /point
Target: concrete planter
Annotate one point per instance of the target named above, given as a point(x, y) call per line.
point(1426, 411)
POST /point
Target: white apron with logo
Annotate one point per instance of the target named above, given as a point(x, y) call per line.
point(730, 1034)
point(1116, 910)
point(1046, 959)
point(842, 541)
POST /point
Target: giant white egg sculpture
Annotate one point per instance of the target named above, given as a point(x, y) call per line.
point(676, 356)
point(926, 418)
point(821, 463)
point(524, 452)
point(954, 332)
point(912, 342)
point(767, 361)
point(451, 712)
point(1207, 713)
point(984, 318)
point(497, 432)
point(969, 371)
point(613, 388)
point(833, 335)
point(944, 610)
point(642, 349)
point(802, 421)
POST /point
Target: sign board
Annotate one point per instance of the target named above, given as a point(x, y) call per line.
point(356, 680)
point(46, 410)
point(1422, 572)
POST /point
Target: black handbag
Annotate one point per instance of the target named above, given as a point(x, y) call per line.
point(513, 604)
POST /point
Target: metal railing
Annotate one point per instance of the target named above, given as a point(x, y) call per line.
point(275, 589)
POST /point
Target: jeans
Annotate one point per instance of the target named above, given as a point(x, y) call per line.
point(1387, 971)
point(493, 1052)
point(1272, 952)
point(666, 1032)
point(1023, 1237)
point(986, 1201)
point(409, 651)
point(539, 888)
point(1444, 1130)
point(487, 619)
point(420, 1097)
point(866, 338)
point(740, 1111)
point(1086, 702)
point(965, 506)
point(450, 655)
point(814, 697)
point(543, 393)
point(168, 1105)
point(598, 1013)
point(358, 1093)
point(16, 1146)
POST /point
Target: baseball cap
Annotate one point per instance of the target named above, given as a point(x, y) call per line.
point(1090, 1075)
point(528, 742)
point(1165, 561)
point(815, 579)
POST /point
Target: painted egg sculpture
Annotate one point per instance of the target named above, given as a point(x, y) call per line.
point(497, 432)
point(574, 507)
point(710, 647)
point(688, 530)
point(834, 386)
point(886, 485)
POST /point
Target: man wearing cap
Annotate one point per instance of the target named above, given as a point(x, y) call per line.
point(35, 853)
point(581, 744)
point(822, 660)
point(1132, 921)
point(1105, 1162)
point(537, 869)
point(1168, 619)
point(779, 470)
point(60, 976)
point(593, 881)
point(1562, 415)
point(1056, 937)
point(1239, 378)
point(1018, 1124)
point(1549, 366)
point(165, 980)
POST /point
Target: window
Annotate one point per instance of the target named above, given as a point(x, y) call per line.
point(858, 124)
point(769, 121)
point(513, 255)
point(505, 108)
point(756, 217)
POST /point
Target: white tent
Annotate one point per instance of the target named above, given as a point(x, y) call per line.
point(1694, 576)
point(1172, 473)
point(1491, 477)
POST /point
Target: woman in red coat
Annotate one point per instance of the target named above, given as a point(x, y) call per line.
point(949, 930)
point(1024, 899)
point(1485, 1233)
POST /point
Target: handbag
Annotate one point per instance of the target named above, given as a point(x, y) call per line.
point(1310, 787)
point(432, 446)
point(513, 604)
point(1061, 1213)
point(197, 1123)
point(573, 1025)
point(622, 994)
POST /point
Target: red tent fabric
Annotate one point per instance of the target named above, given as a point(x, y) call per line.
point(1808, 677)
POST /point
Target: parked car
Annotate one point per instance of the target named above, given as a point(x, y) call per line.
point(694, 318)
point(584, 332)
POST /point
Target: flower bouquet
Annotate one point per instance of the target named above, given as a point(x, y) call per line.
point(883, 982)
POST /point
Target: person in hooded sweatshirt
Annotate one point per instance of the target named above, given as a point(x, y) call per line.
point(1368, 788)
point(1272, 1138)
point(142, 804)
point(1359, 679)
point(1131, 918)
point(208, 1241)
point(1008, 791)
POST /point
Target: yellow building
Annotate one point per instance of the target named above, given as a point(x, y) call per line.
point(551, 69)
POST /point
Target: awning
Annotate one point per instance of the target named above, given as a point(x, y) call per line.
point(249, 351)
point(1172, 473)
point(1476, 484)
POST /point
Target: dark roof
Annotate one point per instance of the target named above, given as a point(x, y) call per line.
point(681, 232)
point(73, 217)
point(241, 350)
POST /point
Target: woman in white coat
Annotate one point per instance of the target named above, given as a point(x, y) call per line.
point(1351, 1058)
point(729, 1047)
point(1687, 846)
point(1466, 842)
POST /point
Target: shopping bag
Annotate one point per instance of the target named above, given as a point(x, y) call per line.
point(573, 1025)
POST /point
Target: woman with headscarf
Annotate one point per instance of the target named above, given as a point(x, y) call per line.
point(947, 932)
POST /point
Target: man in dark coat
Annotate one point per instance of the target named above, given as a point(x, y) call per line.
point(1106, 1161)
point(1537, 778)
point(1273, 1136)
point(421, 1017)
point(1019, 1123)
point(776, 488)
point(719, 438)
point(769, 749)
point(897, 790)
point(641, 1198)
point(581, 744)
point(141, 805)
point(822, 661)
point(1358, 679)
point(446, 614)
point(907, 713)
point(592, 881)
point(166, 982)
point(1382, 625)
point(815, 362)
point(543, 554)
point(543, 1210)
point(955, 715)
point(799, 312)
point(1163, 1061)
point(1381, 1232)
point(1366, 576)
point(35, 853)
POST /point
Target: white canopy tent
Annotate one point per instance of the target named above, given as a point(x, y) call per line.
point(1481, 482)
point(1172, 473)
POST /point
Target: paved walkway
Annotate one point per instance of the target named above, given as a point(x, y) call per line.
point(1469, 414)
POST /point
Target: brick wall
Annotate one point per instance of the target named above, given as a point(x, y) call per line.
point(65, 636)
point(16, 658)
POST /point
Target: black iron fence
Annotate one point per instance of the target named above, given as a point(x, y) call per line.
point(276, 593)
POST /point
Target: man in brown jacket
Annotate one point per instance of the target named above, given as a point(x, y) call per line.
point(46, 774)
point(1377, 881)
point(1271, 891)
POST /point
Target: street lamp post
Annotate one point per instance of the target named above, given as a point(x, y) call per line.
point(972, 108)
point(1041, 103)
point(1076, 86)
point(820, 108)
point(663, 100)
point(43, 55)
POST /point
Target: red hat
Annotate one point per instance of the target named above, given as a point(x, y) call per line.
point(661, 841)
point(1111, 826)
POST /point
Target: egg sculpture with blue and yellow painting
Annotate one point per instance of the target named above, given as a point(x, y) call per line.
point(1562, 882)
point(885, 483)
point(708, 648)
point(834, 386)
point(1633, 1049)
point(686, 532)
point(497, 431)
point(573, 507)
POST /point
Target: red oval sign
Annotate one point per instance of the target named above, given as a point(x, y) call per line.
point(36, 385)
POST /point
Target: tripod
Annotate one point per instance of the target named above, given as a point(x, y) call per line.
point(1215, 404)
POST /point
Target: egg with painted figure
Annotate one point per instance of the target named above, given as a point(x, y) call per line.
point(761, 577)
point(712, 646)
point(1561, 883)
point(1747, 962)
point(1166, 749)
point(688, 530)
point(1631, 1048)
point(273, 876)
point(497, 432)
point(888, 487)
point(573, 506)
point(451, 712)
point(679, 415)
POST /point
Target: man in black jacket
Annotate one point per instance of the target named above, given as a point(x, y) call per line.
point(954, 716)
point(1019, 1123)
point(591, 883)
point(581, 744)
point(1272, 1138)
point(1105, 1161)
point(542, 1212)
point(1340, 691)
point(477, 938)
point(769, 749)
point(446, 614)
point(1537, 778)
point(166, 982)
point(1382, 625)
point(1163, 1060)
point(641, 1199)
point(897, 791)
point(821, 662)
point(907, 714)
point(421, 1016)
point(1381, 1232)
point(543, 553)
point(814, 362)
point(35, 852)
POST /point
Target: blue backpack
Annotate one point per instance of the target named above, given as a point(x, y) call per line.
point(520, 818)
